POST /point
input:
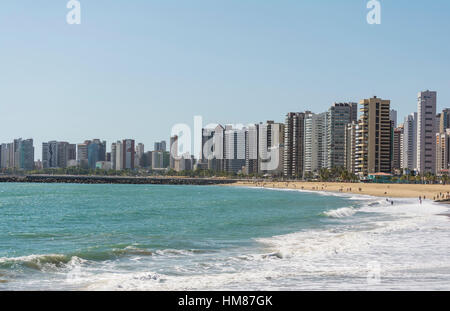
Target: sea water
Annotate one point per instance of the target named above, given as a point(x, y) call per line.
point(152, 237)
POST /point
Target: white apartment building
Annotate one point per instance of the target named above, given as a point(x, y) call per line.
point(316, 154)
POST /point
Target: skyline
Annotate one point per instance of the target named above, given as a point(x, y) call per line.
point(399, 121)
point(121, 73)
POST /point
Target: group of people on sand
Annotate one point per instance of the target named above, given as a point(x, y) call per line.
point(442, 196)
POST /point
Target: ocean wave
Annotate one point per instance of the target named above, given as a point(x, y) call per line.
point(341, 212)
point(37, 262)
point(133, 250)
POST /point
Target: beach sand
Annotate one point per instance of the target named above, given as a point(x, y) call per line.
point(431, 192)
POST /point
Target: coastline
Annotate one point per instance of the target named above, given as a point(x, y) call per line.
point(436, 193)
point(83, 179)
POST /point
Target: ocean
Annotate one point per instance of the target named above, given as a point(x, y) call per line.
point(161, 237)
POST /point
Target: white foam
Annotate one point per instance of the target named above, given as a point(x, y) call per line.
point(341, 212)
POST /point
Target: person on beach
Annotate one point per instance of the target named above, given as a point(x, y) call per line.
point(420, 200)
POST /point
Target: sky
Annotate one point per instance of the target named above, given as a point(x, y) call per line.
point(134, 68)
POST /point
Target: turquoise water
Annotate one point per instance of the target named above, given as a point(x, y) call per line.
point(65, 236)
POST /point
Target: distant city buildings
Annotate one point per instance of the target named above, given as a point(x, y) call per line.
point(17, 155)
point(303, 146)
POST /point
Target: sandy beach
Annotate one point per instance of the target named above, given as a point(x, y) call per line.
point(432, 192)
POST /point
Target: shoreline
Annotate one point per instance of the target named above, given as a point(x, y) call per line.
point(437, 193)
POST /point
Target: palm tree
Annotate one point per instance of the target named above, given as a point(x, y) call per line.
point(324, 174)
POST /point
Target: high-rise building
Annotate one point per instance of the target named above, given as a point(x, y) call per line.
point(93, 155)
point(157, 159)
point(96, 152)
point(339, 115)
point(113, 155)
point(140, 155)
point(251, 149)
point(3, 155)
point(173, 151)
point(234, 149)
point(212, 148)
point(443, 153)
point(426, 132)
point(315, 148)
point(58, 154)
point(409, 149)
point(17, 155)
point(119, 156)
point(397, 148)
point(26, 154)
point(294, 134)
point(160, 146)
point(350, 146)
point(50, 154)
point(7, 156)
point(128, 154)
point(444, 122)
point(393, 117)
point(271, 148)
point(63, 154)
point(71, 152)
point(82, 154)
point(373, 152)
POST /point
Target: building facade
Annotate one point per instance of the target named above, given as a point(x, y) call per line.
point(409, 150)
point(397, 148)
point(315, 142)
point(252, 149)
point(234, 149)
point(339, 116)
point(294, 136)
point(350, 146)
point(426, 132)
point(373, 153)
point(442, 153)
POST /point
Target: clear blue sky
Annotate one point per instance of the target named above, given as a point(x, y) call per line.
point(134, 68)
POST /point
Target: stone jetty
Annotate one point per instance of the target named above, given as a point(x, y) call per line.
point(73, 179)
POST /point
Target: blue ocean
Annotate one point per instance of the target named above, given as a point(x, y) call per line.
point(161, 237)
